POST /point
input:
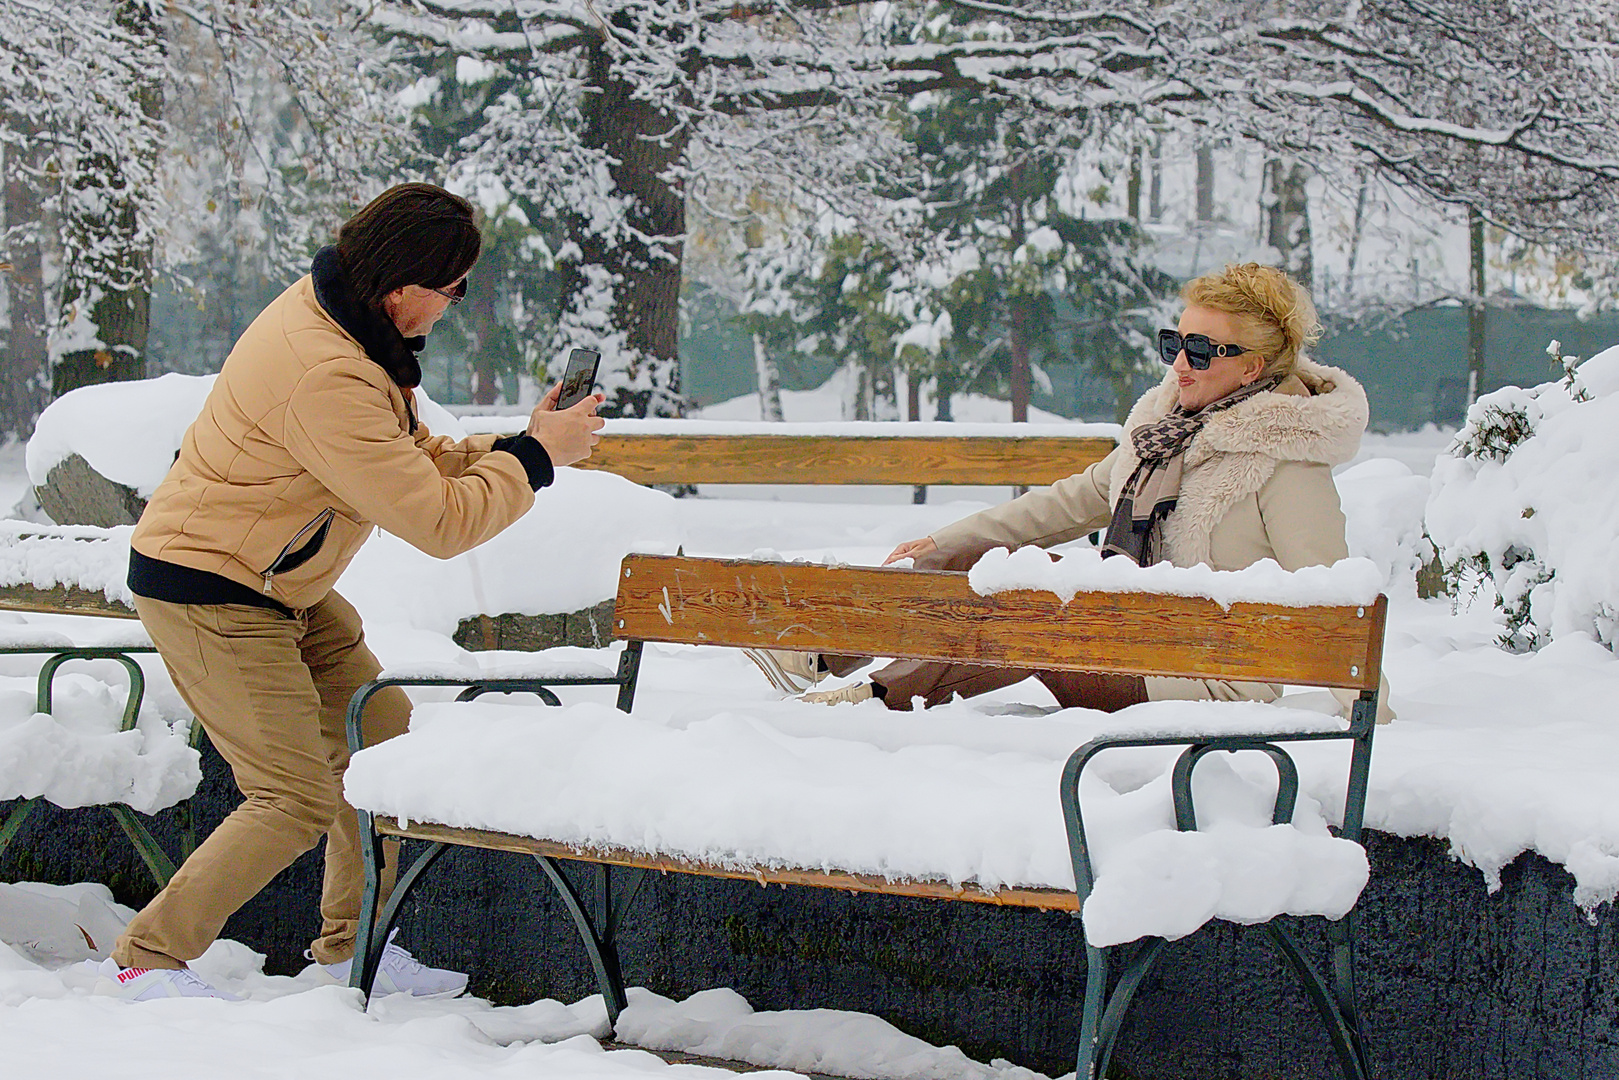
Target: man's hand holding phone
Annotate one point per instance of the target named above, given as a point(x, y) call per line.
point(569, 434)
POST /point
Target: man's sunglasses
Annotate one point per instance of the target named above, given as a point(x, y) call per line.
point(454, 294)
point(1200, 349)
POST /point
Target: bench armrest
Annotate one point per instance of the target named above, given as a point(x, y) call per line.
point(1363, 720)
point(474, 686)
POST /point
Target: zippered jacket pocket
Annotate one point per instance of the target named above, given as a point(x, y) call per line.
point(311, 537)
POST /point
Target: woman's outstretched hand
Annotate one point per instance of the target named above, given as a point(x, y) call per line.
point(569, 435)
point(912, 549)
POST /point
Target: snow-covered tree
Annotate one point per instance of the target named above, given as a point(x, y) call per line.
point(144, 138)
point(624, 108)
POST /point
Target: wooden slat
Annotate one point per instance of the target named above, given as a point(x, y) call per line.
point(1045, 899)
point(929, 615)
point(61, 601)
point(835, 459)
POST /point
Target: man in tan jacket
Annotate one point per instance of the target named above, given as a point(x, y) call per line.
point(307, 442)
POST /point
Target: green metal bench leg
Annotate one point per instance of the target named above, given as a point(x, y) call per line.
point(371, 937)
point(598, 928)
point(1090, 1021)
point(1342, 1029)
point(14, 821)
point(157, 861)
point(1124, 993)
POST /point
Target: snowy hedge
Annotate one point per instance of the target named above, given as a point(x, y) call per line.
point(1524, 504)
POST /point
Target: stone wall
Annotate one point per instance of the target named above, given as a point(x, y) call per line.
point(1456, 983)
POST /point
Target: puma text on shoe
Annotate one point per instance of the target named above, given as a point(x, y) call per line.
point(147, 984)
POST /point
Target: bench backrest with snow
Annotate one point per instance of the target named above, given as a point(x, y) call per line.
point(940, 616)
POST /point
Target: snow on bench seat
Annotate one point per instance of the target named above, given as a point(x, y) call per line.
point(952, 795)
point(78, 757)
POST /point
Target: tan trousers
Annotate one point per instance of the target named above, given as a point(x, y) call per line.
point(936, 682)
point(272, 693)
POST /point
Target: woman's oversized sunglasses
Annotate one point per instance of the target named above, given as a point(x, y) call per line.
point(1200, 349)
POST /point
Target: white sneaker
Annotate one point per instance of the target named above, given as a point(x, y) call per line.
point(147, 984)
point(789, 672)
point(398, 973)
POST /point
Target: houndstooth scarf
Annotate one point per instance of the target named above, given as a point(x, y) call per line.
point(1154, 487)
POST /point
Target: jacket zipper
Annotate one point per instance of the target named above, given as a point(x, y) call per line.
point(320, 519)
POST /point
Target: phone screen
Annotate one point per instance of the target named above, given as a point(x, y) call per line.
point(579, 378)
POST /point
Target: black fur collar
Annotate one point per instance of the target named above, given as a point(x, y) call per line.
point(376, 333)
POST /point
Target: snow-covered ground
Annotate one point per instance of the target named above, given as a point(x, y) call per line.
point(1496, 753)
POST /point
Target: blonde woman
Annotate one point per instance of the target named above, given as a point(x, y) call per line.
point(1226, 462)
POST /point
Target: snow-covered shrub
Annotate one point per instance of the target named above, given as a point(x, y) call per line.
point(1524, 503)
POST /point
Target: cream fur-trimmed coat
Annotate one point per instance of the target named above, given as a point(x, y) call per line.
point(1257, 484)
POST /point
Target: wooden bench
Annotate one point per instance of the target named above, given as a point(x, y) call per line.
point(58, 651)
point(658, 457)
point(937, 616)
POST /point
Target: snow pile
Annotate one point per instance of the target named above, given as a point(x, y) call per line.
point(1346, 583)
point(77, 756)
point(127, 431)
point(894, 795)
point(563, 555)
point(290, 1027)
point(829, 1042)
point(1525, 503)
point(58, 924)
point(1383, 503)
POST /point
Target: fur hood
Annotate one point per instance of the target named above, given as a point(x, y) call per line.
point(1316, 415)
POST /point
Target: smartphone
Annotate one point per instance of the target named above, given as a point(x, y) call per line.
point(579, 378)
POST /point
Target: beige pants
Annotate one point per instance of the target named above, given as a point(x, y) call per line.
point(272, 693)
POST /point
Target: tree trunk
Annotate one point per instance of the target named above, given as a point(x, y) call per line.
point(1020, 359)
point(25, 377)
point(105, 312)
point(913, 413)
point(1132, 188)
point(1205, 182)
point(1354, 237)
point(769, 381)
point(944, 390)
point(1475, 305)
point(1287, 211)
point(1155, 188)
point(640, 347)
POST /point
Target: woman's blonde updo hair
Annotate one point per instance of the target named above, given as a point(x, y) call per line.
point(1277, 318)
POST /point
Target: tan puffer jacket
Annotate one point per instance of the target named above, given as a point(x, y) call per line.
point(1257, 484)
point(303, 446)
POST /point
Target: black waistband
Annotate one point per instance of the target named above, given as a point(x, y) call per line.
point(174, 584)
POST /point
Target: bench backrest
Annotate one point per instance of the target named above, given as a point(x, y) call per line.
point(845, 459)
point(933, 615)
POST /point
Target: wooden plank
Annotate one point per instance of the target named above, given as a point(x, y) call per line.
point(835, 459)
point(931, 615)
point(62, 601)
point(1044, 899)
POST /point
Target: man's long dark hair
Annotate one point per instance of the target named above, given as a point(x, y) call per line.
point(411, 234)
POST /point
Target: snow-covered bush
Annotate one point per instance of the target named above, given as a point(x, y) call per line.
point(1524, 503)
